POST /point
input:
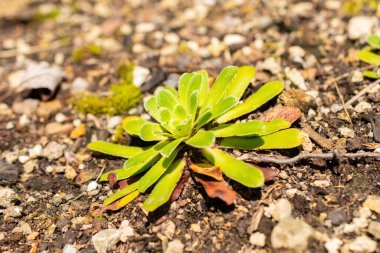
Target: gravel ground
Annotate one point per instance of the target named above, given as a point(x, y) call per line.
point(48, 178)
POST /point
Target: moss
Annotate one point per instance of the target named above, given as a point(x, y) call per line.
point(41, 16)
point(124, 95)
point(355, 6)
point(91, 49)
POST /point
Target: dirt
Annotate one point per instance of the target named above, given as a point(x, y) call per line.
point(57, 207)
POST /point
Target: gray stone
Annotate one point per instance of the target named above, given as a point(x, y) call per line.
point(360, 27)
point(53, 151)
point(291, 234)
point(105, 240)
point(279, 210)
point(126, 231)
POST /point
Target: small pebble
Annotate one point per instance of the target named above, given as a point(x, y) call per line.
point(60, 117)
point(363, 244)
point(346, 132)
point(92, 186)
point(257, 239)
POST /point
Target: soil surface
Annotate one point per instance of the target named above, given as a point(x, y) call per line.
point(313, 205)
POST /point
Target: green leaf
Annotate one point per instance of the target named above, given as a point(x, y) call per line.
point(193, 104)
point(220, 86)
point(133, 127)
point(203, 119)
point(369, 57)
point(204, 88)
point(223, 106)
point(165, 98)
point(120, 174)
point(183, 87)
point(374, 41)
point(239, 84)
point(254, 127)
point(184, 129)
point(152, 132)
point(179, 113)
point(259, 98)
point(371, 74)
point(171, 147)
point(173, 91)
point(151, 107)
point(202, 139)
point(122, 202)
point(163, 190)
point(154, 173)
point(289, 138)
point(237, 170)
point(119, 194)
point(146, 155)
point(114, 149)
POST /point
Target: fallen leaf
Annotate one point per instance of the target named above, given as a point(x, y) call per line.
point(218, 189)
point(288, 113)
point(42, 79)
point(181, 184)
point(77, 132)
point(207, 170)
point(269, 173)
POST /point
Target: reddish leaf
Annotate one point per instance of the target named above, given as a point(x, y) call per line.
point(288, 113)
point(181, 184)
point(218, 189)
point(112, 179)
point(206, 169)
point(269, 173)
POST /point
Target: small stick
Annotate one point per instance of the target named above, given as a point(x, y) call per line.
point(362, 92)
point(342, 101)
point(326, 156)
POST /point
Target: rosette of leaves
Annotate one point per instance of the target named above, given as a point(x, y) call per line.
point(191, 126)
point(370, 55)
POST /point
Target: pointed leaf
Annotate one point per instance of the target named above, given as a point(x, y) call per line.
point(121, 202)
point(133, 127)
point(171, 147)
point(218, 189)
point(165, 186)
point(259, 98)
point(154, 173)
point(371, 74)
point(250, 128)
point(239, 84)
point(119, 194)
point(203, 119)
point(146, 155)
point(237, 170)
point(221, 84)
point(202, 139)
point(114, 149)
point(289, 138)
point(369, 57)
point(221, 107)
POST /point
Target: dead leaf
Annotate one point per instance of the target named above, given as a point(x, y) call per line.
point(181, 184)
point(207, 170)
point(41, 79)
point(218, 189)
point(319, 139)
point(288, 113)
point(269, 173)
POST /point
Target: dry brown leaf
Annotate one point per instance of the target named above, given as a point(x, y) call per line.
point(207, 170)
point(218, 189)
point(288, 113)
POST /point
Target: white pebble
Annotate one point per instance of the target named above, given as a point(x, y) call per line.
point(23, 159)
point(92, 186)
point(60, 117)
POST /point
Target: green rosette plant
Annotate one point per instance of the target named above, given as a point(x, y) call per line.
point(191, 128)
point(370, 55)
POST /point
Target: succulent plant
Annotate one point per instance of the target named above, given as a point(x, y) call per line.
point(370, 55)
point(190, 129)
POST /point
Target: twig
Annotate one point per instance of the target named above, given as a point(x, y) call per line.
point(347, 74)
point(342, 101)
point(362, 92)
point(326, 156)
point(35, 49)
